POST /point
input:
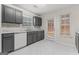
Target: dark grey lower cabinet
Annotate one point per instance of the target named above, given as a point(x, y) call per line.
point(42, 35)
point(29, 38)
point(34, 36)
point(7, 42)
point(77, 41)
point(38, 36)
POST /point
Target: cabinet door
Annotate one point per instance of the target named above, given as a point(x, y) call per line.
point(7, 42)
point(35, 36)
point(8, 14)
point(29, 38)
point(40, 21)
point(42, 35)
point(35, 21)
point(20, 40)
point(19, 17)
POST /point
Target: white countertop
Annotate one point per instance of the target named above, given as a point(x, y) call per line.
point(16, 30)
point(12, 30)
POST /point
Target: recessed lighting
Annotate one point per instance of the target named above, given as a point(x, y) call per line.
point(39, 5)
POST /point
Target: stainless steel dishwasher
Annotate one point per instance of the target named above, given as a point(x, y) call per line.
point(7, 42)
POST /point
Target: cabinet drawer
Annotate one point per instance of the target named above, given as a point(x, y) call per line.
point(6, 35)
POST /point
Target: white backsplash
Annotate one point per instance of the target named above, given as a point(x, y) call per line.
point(10, 25)
point(9, 28)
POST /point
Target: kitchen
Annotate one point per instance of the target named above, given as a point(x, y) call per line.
point(22, 28)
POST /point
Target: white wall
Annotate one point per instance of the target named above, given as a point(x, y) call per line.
point(74, 23)
point(0, 28)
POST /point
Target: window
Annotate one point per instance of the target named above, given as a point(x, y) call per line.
point(65, 24)
point(51, 28)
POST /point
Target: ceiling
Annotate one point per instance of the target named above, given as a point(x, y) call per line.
point(41, 9)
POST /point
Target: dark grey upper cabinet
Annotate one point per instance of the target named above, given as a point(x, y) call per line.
point(11, 15)
point(8, 14)
point(37, 21)
point(18, 17)
point(40, 21)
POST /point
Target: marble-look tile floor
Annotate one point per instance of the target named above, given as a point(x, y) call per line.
point(46, 47)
